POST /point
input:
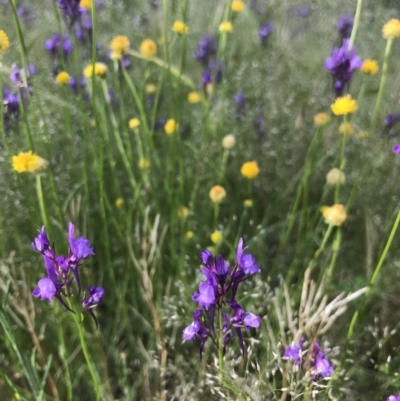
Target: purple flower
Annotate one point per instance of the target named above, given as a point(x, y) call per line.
point(79, 249)
point(95, 297)
point(393, 398)
point(206, 49)
point(322, 366)
point(243, 319)
point(342, 65)
point(294, 352)
point(246, 266)
point(265, 32)
point(240, 101)
point(42, 244)
point(345, 26)
point(84, 27)
point(196, 330)
point(59, 46)
point(71, 10)
point(208, 291)
point(396, 148)
point(11, 103)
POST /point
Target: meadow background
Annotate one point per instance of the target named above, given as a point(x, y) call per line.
point(149, 221)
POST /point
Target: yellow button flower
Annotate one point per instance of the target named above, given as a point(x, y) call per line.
point(237, 6)
point(86, 4)
point(369, 67)
point(248, 203)
point(28, 162)
point(334, 215)
point(134, 123)
point(171, 126)
point(148, 48)
point(193, 97)
point(150, 88)
point(180, 28)
point(62, 78)
point(335, 177)
point(216, 237)
point(217, 194)
point(391, 30)
point(99, 70)
point(189, 234)
point(4, 42)
point(183, 212)
point(144, 164)
point(119, 46)
point(250, 170)
point(321, 119)
point(119, 202)
point(346, 129)
point(226, 27)
point(343, 106)
point(228, 141)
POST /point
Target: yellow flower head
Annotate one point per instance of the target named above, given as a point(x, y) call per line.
point(369, 67)
point(228, 141)
point(334, 215)
point(193, 97)
point(119, 46)
point(335, 177)
point(183, 212)
point(180, 28)
point(321, 119)
point(217, 194)
point(226, 27)
point(4, 42)
point(28, 162)
point(134, 123)
point(248, 203)
point(216, 237)
point(250, 170)
point(171, 126)
point(346, 129)
point(148, 48)
point(150, 88)
point(343, 106)
point(189, 234)
point(362, 134)
point(144, 163)
point(391, 30)
point(86, 4)
point(62, 78)
point(119, 202)
point(99, 70)
point(237, 6)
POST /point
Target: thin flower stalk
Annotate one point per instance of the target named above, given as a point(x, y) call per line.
point(356, 23)
point(382, 84)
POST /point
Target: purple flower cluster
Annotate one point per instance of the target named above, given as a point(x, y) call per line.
point(314, 360)
point(205, 54)
point(393, 398)
point(345, 26)
point(59, 268)
point(265, 32)
point(58, 46)
point(391, 120)
point(342, 64)
point(221, 283)
point(70, 9)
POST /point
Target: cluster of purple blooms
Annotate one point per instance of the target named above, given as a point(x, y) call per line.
point(342, 64)
point(59, 268)
point(345, 26)
point(314, 360)
point(219, 291)
point(393, 398)
point(265, 32)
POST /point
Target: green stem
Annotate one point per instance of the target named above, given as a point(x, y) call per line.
point(321, 247)
point(335, 250)
point(85, 352)
point(356, 23)
point(372, 281)
point(42, 207)
point(220, 346)
point(342, 159)
point(382, 84)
